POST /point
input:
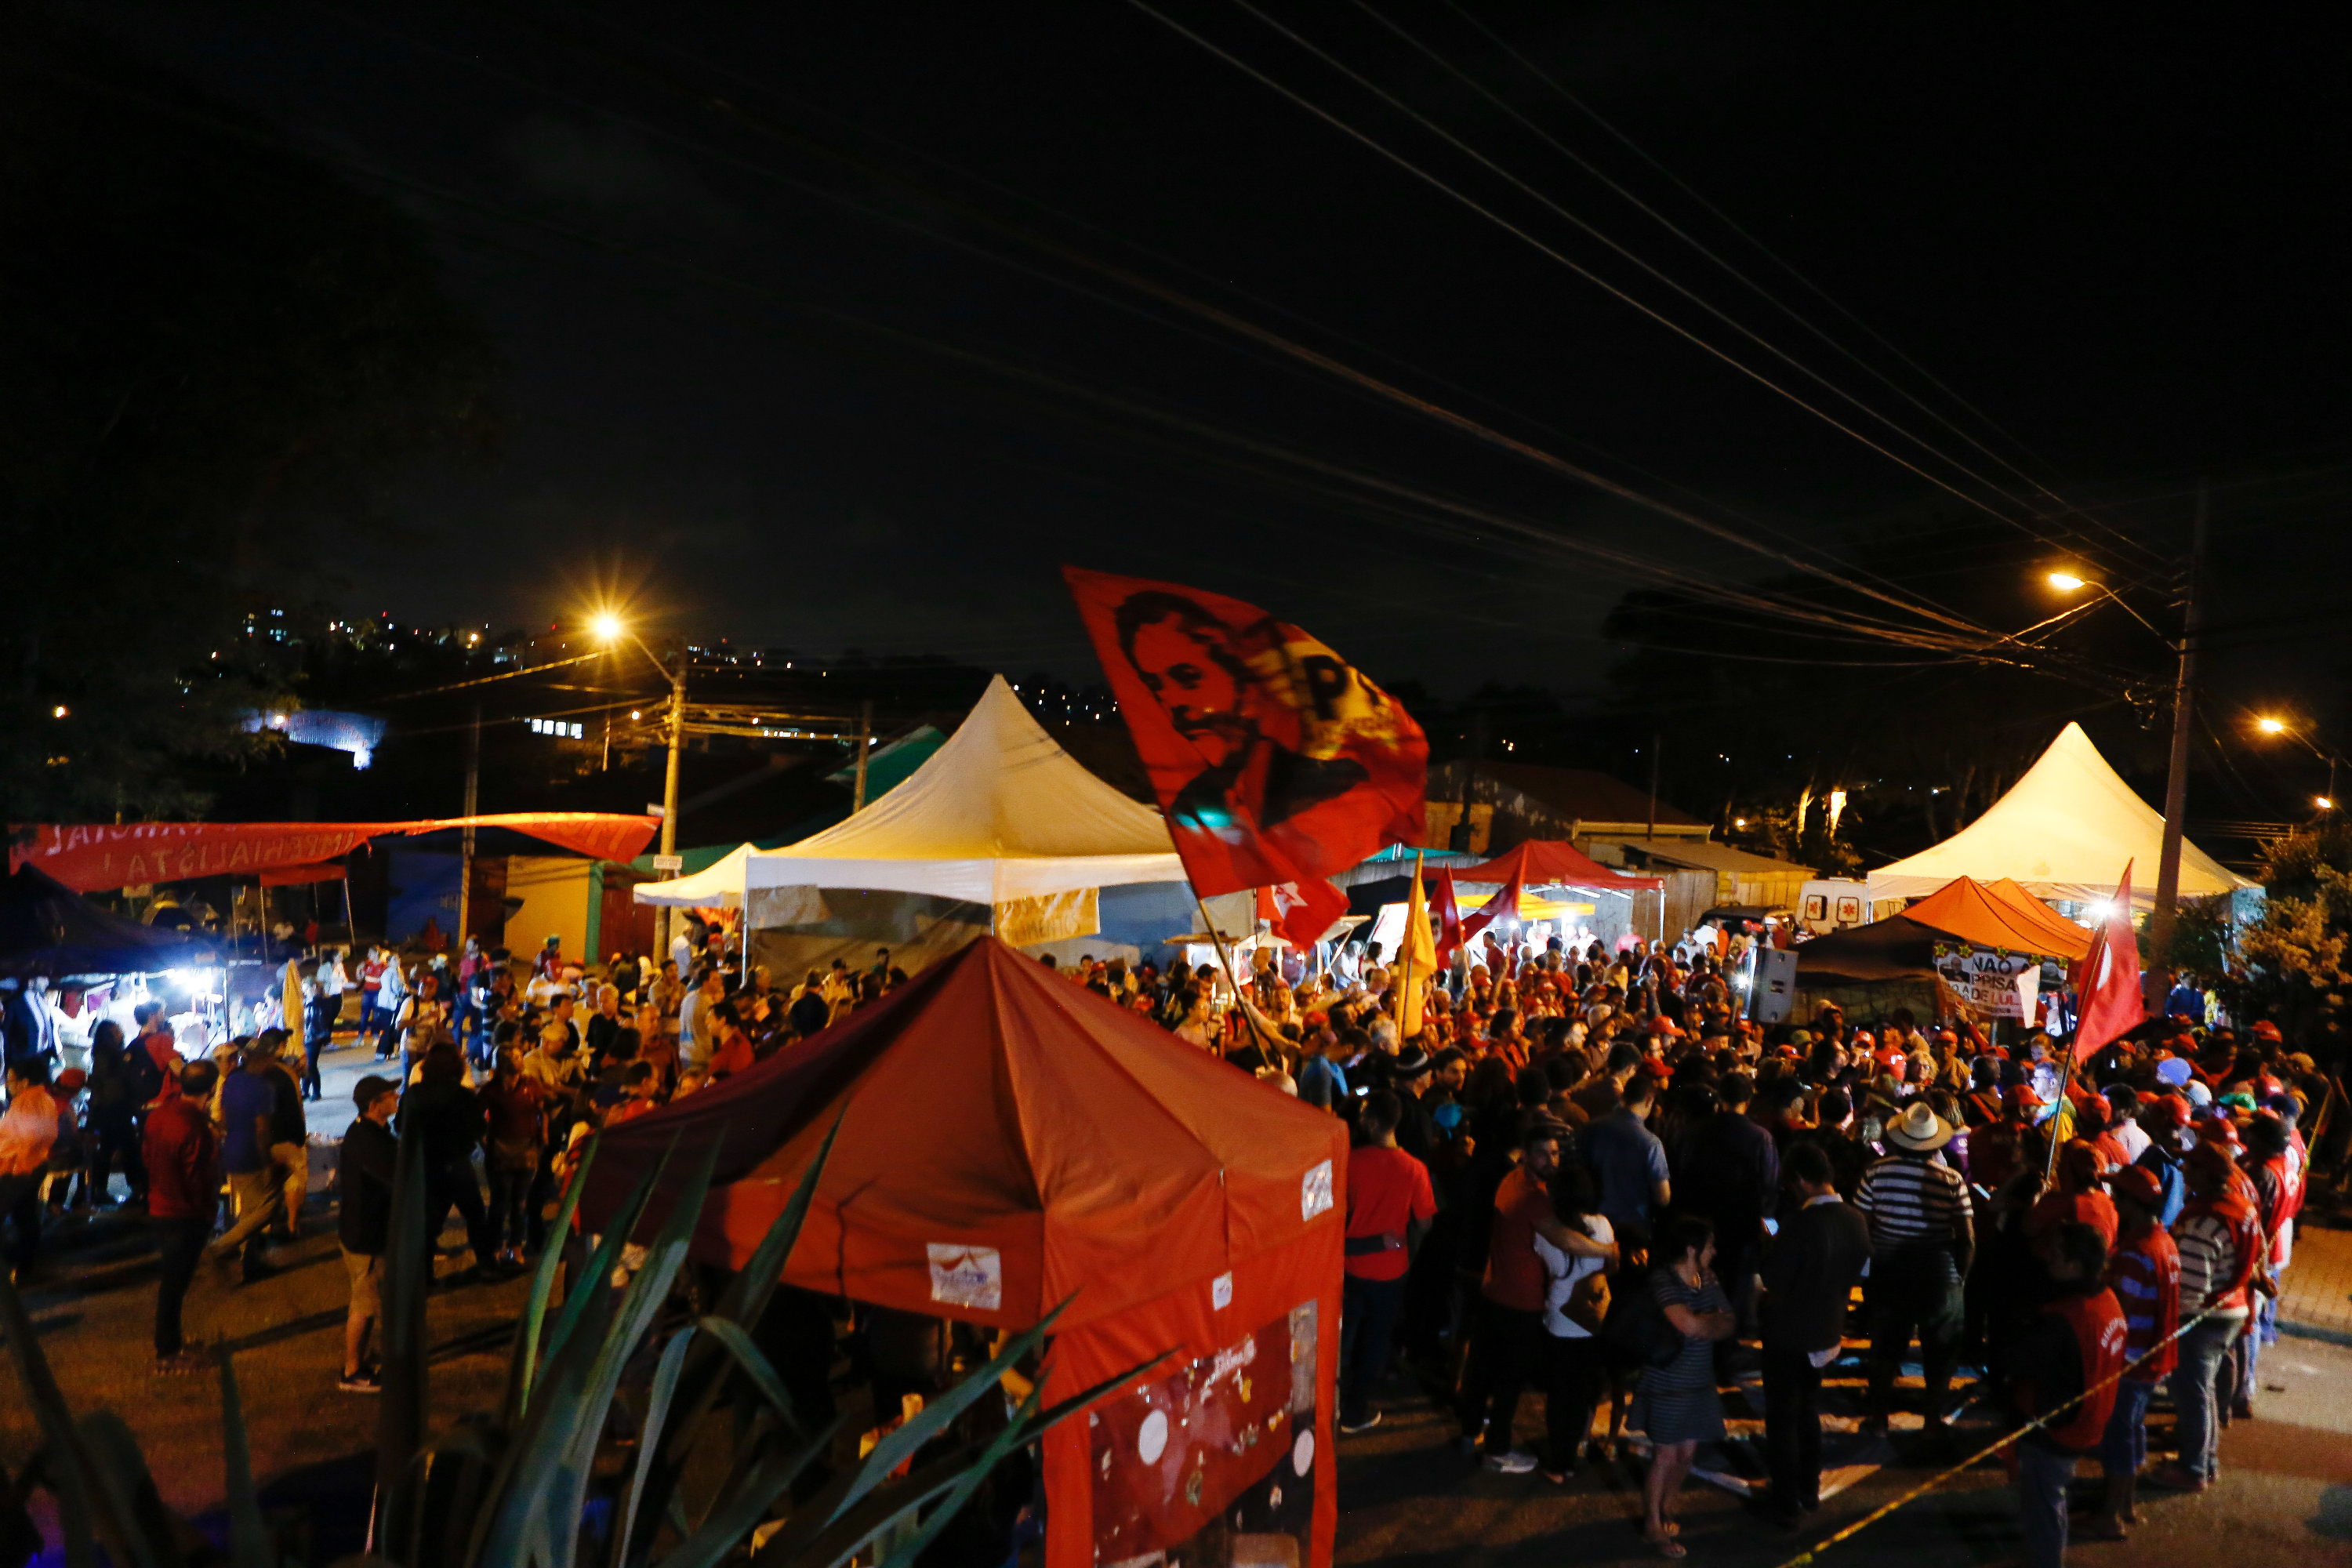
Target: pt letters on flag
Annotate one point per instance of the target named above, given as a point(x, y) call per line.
point(1275, 761)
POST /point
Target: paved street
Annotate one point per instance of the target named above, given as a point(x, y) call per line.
point(1408, 1497)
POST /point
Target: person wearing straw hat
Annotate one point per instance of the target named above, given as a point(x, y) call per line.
point(1922, 1236)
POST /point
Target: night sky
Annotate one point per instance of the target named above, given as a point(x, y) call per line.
point(2123, 241)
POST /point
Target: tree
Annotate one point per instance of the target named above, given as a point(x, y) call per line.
point(210, 348)
point(2291, 964)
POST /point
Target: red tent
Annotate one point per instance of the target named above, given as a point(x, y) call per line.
point(2000, 915)
point(1547, 863)
point(1009, 1142)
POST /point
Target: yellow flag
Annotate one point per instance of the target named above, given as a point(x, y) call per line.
point(1418, 960)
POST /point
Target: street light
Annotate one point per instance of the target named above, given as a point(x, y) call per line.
point(2270, 726)
point(607, 626)
point(2066, 582)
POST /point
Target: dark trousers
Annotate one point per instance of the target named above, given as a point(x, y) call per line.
point(180, 1246)
point(453, 1185)
point(511, 1190)
point(1792, 1427)
point(1571, 1375)
point(115, 1137)
point(1504, 1348)
point(1367, 1315)
point(20, 1205)
point(1916, 1291)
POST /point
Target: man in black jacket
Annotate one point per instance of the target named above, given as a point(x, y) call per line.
point(1808, 1277)
point(450, 1122)
point(363, 1176)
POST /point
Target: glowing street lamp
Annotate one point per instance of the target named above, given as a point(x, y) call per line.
point(607, 626)
point(2270, 726)
point(2066, 582)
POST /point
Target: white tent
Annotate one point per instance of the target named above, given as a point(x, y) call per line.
point(2066, 830)
point(999, 813)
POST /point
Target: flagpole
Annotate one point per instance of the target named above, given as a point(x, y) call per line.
point(1217, 939)
point(1404, 951)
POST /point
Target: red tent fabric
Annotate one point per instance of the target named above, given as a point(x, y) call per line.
point(1010, 1140)
point(91, 858)
point(1999, 914)
point(1548, 863)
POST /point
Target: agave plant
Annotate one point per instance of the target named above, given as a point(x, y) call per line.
point(514, 1491)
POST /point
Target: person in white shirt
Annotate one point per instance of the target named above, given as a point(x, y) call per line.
point(1573, 1365)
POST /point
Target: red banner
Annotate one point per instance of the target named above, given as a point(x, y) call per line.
point(2110, 978)
point(1274, 760)
point(93, 857)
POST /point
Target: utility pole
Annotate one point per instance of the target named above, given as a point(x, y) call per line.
point(466, 851)
point(864, 743)
point(669, 786)
point(2176, 782)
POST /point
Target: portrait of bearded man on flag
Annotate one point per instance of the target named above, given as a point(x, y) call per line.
point(1274, 760)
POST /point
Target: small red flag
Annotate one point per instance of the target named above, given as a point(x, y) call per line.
point(2112, 1007)
point(1274, 760)
point(1449, 917)
point(1505, 903)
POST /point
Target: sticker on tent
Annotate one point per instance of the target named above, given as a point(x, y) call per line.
point(967, 1276)
point(1315, 1192)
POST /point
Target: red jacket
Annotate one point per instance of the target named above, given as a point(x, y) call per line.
point(183, 1162)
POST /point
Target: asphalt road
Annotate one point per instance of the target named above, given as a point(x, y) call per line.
point(1408, 1497)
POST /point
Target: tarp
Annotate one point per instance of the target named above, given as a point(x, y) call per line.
point(2000, 915)
point(1897, 947)
point(999, 813)
point(1550, 863)
point(91, 858)
point(2063, 831)
point(1009, 1142)
point(46, 927)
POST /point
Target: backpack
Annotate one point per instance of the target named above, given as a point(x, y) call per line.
point(1636, 1334)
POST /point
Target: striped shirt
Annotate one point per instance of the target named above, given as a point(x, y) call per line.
point(2207, 1244)
point(2146, 1276)
point(1912, 1203)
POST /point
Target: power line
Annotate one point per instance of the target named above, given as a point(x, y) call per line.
point(1729, 222)
point(1521, 234)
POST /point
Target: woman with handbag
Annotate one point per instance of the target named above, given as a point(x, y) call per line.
point(1576, 1302)
point(1678, 1404)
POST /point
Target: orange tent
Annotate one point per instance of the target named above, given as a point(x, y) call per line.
point(1009, 1142)
point(1547, 863)
point(2000, 915)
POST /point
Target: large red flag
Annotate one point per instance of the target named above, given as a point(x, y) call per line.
point(2112, 1007)
point(1274, 760)
point(1503, 905)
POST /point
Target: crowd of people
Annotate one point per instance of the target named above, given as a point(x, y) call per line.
point(505, 1066)
point(1584, 1173)
point(1578, 1171)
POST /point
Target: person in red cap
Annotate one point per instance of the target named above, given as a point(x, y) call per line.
point(2220, 1245)
point(2165, 1120)
point(1999, 1150)
point(2077, 1197)
point(2264, 1166)
point(2143, 1271)
point(2067, 1358)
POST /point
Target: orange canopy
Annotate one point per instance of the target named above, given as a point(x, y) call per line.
point(1009, 1142)
point(2001, 915)
point(1548, 863)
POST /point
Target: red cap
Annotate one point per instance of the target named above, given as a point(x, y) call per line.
point(1654, 1068)
point(2098, 1102)
point(2266, 1030)
point(2173, 1109)
point(2138, 1184)
point(2216, 1131)
point(1662, 1025)
point(2022, 1098)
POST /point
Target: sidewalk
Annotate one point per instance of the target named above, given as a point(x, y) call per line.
point(2316, 1301)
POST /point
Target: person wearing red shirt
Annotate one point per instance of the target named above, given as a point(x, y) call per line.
point(1388, 1196)
point(731, 1050)
point(182, 1157)
point(2076, 1196)
point(2143, 1271)
point(2067, 1364)
point(1506, 1342)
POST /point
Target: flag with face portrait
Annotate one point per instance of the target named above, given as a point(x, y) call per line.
point(1275, 761)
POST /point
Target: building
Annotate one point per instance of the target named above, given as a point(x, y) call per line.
point(1615, 823)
